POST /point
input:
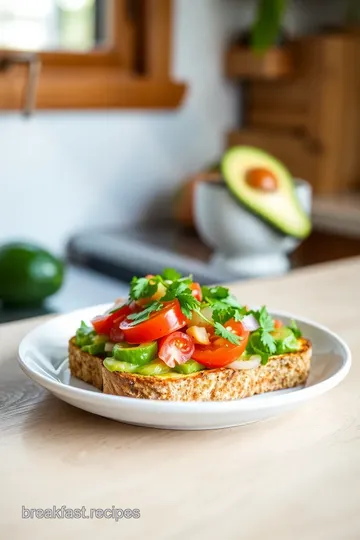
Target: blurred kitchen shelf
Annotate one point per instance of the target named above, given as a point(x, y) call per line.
point(309, 121)
point(241, 62)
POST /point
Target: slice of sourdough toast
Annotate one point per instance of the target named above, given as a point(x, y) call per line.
point(281, 372)
point(85, 366)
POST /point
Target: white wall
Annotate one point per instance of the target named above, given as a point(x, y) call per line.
point(61, 172)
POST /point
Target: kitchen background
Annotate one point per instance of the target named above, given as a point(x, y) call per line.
point(67, 171)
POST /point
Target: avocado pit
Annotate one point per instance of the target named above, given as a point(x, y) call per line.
point(261, 179)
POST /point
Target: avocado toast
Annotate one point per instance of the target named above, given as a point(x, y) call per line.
point(175, 340)
point(281, 372)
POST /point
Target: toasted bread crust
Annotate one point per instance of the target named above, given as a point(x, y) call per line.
point(282, 371)
point(84, 366)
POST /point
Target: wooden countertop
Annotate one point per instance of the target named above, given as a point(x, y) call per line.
point(294, 477)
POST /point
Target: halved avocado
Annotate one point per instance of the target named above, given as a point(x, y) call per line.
point(266, 187)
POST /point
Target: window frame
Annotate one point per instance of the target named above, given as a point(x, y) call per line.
point(107, 77)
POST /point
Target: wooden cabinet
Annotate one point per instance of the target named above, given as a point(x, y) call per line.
point(311, 119)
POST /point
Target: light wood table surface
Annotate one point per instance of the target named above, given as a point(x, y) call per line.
point(295, 477)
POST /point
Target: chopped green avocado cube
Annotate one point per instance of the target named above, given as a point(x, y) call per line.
point(94, 348)
point(116, 365)
point(154, 368)
point(191, 366)
point(100, 338)
point(136, 354)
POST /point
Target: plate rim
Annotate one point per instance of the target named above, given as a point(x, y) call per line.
point(247, 404)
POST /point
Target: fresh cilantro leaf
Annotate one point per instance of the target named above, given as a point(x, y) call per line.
point(142, 287)
point(171, 274)
point(215, 293)
point(268, 341)
point(239, 314)
point(143, 315)
point(84, 334)
point(181, 291)
point(223, 304)
point(205, 291)
point(186, 279)
point(219, 305)
point(264, 319)
point(222, 313)
point(220, 330)
point(85, 329)
point(295, 329)
point(261, 343)
point(175, 289)
point(188, 304)
point(116, 309)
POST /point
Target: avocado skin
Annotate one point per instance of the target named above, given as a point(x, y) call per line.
point(28, 274)
point(277, 225)
point(281, 231)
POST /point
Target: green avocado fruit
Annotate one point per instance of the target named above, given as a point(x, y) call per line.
point(264, 185)
point(28, 274)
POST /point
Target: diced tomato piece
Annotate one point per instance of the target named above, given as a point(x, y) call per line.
point(159, 324)
point(176, 348)
point(278, 323)
point(103, 323)
point(221, 352)
point(117, 335)
point(196, 291)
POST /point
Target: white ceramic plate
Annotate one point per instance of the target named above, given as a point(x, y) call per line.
point(43, 357)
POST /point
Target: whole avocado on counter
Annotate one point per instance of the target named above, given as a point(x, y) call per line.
point(28, 274)
point(263, 184)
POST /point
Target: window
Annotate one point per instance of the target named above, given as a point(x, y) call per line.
point(36, 25)
point(93, 53)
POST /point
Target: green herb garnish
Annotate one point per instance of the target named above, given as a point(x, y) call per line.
point(143, 315)
point(223, 305)
point(223, 332)
point(295, 329)
point(84, 334)
point(142, 287)
point(170, 274)
point(261, 342)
